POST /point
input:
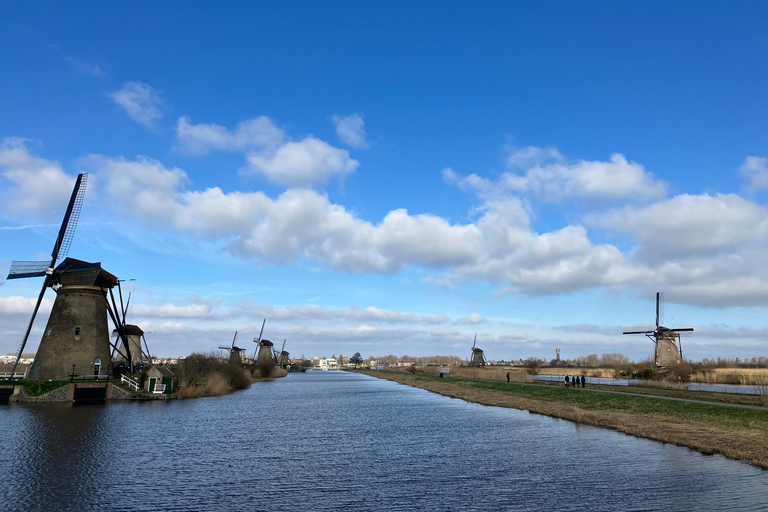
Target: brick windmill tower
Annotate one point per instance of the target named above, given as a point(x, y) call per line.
point(76, 338)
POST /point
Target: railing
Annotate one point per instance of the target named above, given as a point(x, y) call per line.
point(83, 378)
point(11, 375)
point(131, 383)
point(159, 388)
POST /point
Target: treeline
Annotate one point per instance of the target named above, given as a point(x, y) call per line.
point(393, 359)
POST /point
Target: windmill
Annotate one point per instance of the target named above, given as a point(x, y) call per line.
point(76, 336)
point(478, 357)
point(669, 351)
point(282, 357)
point(234, 351)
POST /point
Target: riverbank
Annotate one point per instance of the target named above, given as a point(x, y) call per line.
point(739, 434)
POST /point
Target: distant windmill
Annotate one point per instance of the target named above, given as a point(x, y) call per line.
point(669, 351)
point(234, 351)
point(76, 337)
point(478, 357)
point(133, 335)
point(282, 357)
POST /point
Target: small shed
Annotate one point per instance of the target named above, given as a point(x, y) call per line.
point(159, 380)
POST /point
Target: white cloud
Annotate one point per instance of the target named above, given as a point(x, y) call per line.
point(23, 305)
point(472, 318)
point(302, 164)
point(351, 130)
point(172, 311)
point(531, 156)
point(308, 312)
point(42, 188)
point(140, 101)
point(616, 179)
point(689, 225)
point(259, 133)
point(755, 171)
point(692, 245)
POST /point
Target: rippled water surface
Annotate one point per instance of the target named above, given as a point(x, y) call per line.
point(339, 441)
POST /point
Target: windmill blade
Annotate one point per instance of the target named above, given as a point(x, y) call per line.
point(474, 342)
point(262, 329)
point(639, 332)
point(22, 269)
point(282, 349)
point(225, 348)
point(657, 309)
point(69, 224)
point(233, 340)
point(127, 305)
point(685, 333)
point(660, 310)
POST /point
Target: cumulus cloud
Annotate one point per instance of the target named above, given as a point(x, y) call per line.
point(42, 188)
point(259, 133)
point(688, 225)
point(615, 179)
point(303, 163)
point(23, 305)
point(472, 318)
point(140, 101)
point(351, 130)
point(704, 249)
point(755, 172)
point(269, 152)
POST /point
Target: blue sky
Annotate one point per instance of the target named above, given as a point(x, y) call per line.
point(395, 178)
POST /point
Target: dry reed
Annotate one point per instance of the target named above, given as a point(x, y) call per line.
point(487, 373)
point(746, 376)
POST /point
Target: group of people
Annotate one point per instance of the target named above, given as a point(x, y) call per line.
point(575, 381)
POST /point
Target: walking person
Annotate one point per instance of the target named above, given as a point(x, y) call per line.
point(583, 382)
point(507, 377)
point(567, 381)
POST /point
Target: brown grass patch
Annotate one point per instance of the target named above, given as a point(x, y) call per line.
point(486, 373)
point(745, 376)
point(603, 373)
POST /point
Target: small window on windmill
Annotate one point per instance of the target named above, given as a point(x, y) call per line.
point(77, 333)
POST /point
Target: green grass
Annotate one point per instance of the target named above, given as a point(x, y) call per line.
point(708, 414)
point(712, 415)
point(33, 389)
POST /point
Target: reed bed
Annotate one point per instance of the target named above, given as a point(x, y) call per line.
point(500, 374)
point(603, 373)
point(746, 376)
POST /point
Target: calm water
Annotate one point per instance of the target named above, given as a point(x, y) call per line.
point(339, 441)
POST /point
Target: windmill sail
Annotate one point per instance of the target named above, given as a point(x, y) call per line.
point(20, 269)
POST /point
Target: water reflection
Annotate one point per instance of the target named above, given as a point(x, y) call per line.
point(337, 441)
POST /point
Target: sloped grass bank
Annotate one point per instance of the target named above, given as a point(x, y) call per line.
point(739, 434)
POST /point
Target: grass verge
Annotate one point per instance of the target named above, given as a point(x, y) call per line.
point(739, 434)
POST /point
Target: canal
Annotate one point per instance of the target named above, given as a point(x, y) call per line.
point(331, 441)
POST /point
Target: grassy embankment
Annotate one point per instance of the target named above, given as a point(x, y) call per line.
point(740, 434)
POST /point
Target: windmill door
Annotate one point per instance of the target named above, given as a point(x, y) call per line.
point(152, 382)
